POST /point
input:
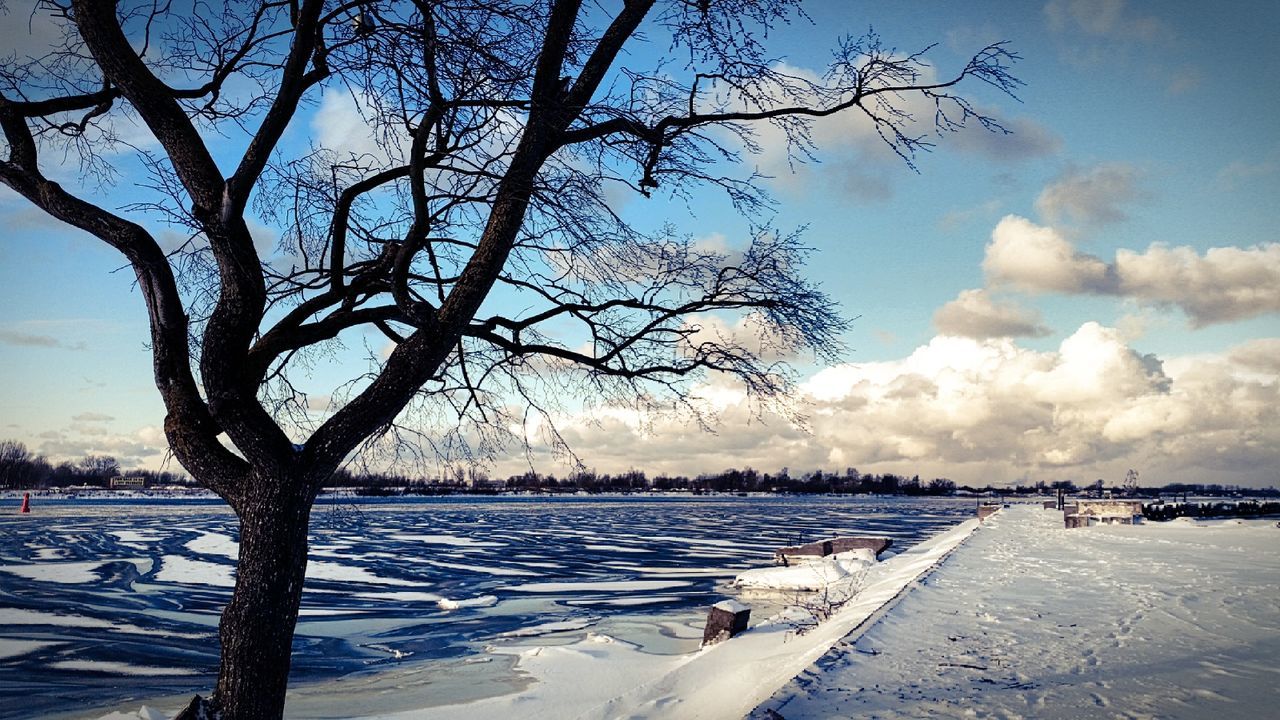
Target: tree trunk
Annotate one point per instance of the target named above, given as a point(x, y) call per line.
point(257, 625)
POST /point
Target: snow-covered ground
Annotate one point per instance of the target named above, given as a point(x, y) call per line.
point(1161, 620)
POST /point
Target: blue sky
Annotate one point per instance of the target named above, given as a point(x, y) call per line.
point(1098, 291)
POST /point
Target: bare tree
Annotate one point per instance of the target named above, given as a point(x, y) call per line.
point(100, 468)
point(475, 234)
point(19, 468)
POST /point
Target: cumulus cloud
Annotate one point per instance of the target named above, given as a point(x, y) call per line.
point(1221, 285)
point(975, 314)
point(990, 411)
point(1039, 259)
point(1092, 196)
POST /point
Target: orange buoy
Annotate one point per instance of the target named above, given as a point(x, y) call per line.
point(26, 502)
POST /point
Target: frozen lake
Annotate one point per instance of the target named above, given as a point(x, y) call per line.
point(105, 603)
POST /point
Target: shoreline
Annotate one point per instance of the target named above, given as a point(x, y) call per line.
point(1011, 615)
point(543, 679)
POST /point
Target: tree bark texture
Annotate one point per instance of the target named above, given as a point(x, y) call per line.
point(258, 623)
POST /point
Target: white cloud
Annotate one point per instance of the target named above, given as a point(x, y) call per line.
point(145, 447)
point(975, 314)
point(990, 411)
point(1093, 196)
point(1040, 259)
point(1221, 285)
point(345, 124)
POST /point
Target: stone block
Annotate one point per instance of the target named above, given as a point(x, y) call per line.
point(725, 619)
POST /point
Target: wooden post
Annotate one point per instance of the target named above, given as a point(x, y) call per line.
point(726, 619)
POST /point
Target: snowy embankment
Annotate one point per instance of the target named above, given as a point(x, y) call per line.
point(602, 677)
point(811, 573)
point(1028, 619)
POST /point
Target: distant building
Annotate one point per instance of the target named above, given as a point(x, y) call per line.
point(1103, 512)
point(128, 483)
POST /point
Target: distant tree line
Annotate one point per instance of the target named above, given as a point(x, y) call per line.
point(1251, 509)
point(20, 468)
point(732, 480)
point(1099, 488)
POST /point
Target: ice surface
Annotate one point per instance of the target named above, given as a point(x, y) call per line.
point(17, 616)
point(598, 586)
point(401, 595)
point(323, 570)
point(724, 681)
point(118, 668)
point(450, 540)
point(14, 648)
point(186, 571)
point(135, 537)
point(215, 544)
point(482, 601)
point(69, 573)
point(730, 606)
point(486, 569)
point(552, 627)
point(373, 571)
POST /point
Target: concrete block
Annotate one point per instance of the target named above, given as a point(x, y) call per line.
point(725, 619)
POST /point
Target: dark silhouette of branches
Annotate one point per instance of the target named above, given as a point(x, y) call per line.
point(466, 219)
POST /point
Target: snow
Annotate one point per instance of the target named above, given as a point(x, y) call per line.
point(17, 648)
point(482, 601)
point(1024, 619)
point(548, 628)
point(146, 713)
point(1013, 617)
point(809, 574)
point(486, 569)
point(1028, 619)
point(730, 606)
point(68, 573)
point(215, 544)
point(185, 571)
point(119, 668)
point(723, 681)
point(449, 540)
point(598, 585)
point(19, 616)
point(322, 570)
point(401, 596)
